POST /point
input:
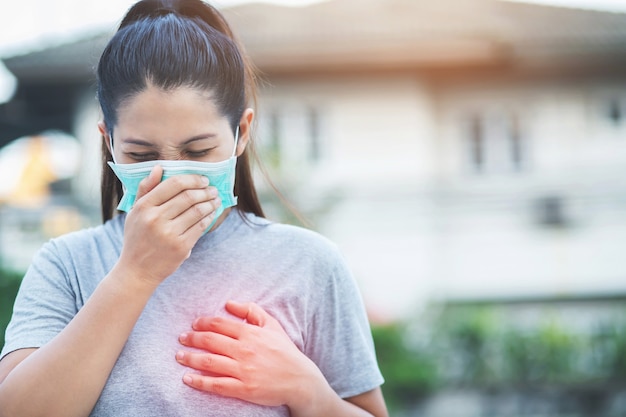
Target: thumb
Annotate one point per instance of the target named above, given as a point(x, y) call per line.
point(250, 312)
point(151, 181)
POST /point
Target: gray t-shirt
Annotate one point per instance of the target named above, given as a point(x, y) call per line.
point(295, 274)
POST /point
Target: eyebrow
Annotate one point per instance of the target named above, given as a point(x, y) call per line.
point(141, 142)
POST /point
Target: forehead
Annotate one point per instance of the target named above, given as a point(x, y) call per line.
point(157, 110)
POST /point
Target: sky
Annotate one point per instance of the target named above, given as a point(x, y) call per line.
point(35, 21)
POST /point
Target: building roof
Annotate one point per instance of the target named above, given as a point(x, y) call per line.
point(365, 35)
point(72, 61)
point(422, 33)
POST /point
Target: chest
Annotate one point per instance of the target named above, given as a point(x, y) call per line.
point(147, 377)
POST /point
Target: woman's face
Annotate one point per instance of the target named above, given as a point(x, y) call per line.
point(181, 124)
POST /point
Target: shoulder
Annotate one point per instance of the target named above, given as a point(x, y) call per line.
point(75, 262)
point(101, 239)
point(291, 238)
point(303, 254)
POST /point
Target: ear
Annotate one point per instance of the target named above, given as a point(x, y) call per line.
point(104, 132)
point(245, 127)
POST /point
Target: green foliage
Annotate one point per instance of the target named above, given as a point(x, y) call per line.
point(548, 354)
point(477, 346)
point(468, 335)
point(607, 347)
point(408, 371)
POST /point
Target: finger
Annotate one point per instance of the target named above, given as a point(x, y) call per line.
point(147, 184)
point(195, 231)
point(252, 313)
point(187, 211)
point(208, 362)
point(194, 221)
point(225, 386)
point(199, 218)
point(171, 187)
point(210, 342)
point(221, 325)
point(186, 200)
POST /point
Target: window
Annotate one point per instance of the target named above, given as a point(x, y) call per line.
point(477, 145)
point(615, 111)
point(608, 114)
point(269, 138)
point(495, 142)
point(292, 135)
point(314, 128)
point(550, 211)
point(515, 136)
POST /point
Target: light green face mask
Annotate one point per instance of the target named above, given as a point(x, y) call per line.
point(221, 175)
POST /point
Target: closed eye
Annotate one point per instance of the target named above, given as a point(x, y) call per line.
point(200, 153)
point(150, 156)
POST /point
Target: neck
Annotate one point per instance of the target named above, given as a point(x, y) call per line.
point(220, 219)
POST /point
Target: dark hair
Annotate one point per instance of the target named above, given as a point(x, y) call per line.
point(172, 44)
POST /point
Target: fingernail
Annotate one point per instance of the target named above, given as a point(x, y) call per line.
point(183, 337)
point(187, 379)
point(205, 180)
point(180, 355)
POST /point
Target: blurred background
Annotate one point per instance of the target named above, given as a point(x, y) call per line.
point(467, 156)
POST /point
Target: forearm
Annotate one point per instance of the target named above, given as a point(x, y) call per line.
point(334, 407)
point(326, 402)
point(66, 376)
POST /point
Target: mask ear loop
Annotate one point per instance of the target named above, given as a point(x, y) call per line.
point(111, 147)
point(113, 156)
point(236, 140)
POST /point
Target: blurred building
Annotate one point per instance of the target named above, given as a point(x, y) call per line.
point(36, 199)
point(460, 149)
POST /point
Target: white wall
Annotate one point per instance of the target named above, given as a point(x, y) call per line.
point(492, 245)
point(371, 126)
point(415, 221)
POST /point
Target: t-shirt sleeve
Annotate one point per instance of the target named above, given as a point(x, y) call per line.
point(44, 305)
point(340, 339)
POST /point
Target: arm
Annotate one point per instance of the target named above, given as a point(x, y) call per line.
point(66, 376)
point(371, 401)
point(257, 362)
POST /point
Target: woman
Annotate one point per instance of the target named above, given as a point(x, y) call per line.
point(150, 315)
